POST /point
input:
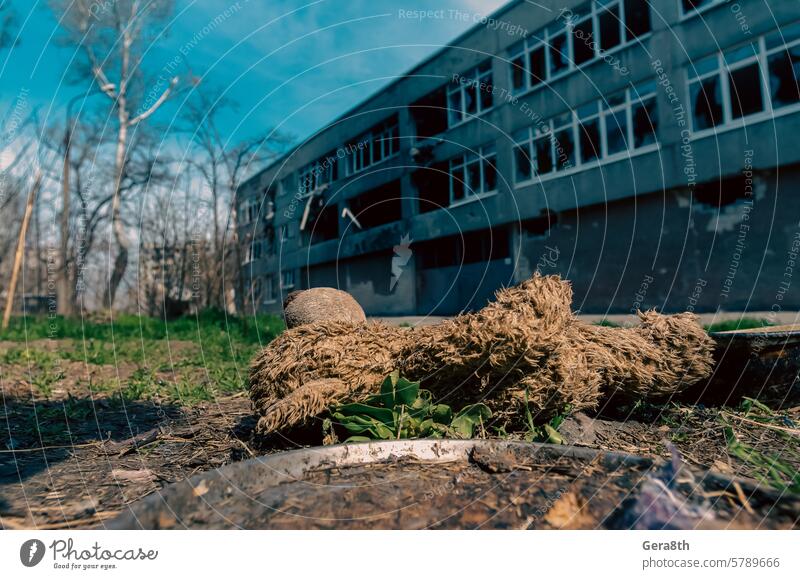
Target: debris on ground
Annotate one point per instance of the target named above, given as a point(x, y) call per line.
point(463, 485)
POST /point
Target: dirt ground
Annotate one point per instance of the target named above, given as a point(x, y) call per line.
point(81, 443)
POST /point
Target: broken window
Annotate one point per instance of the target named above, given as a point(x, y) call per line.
point(583, 43)
point(378, 206)
point(471, 94)
point(538, 70)
point(518, 68)
point(616, 131)
point(645, 123)
point(729, 86)
point(248, 211)
point(523, 160)
point(706, 103)
point(783, 57)
point(610, 26)
point(454, 113)
point(745, 89)
point(322, 171)
point(564, 142)
point(637, 18)
point(784, 76)
point(582, 38)
point(433, 187)
point(595, 131)
point(473, 174)
point(543, 147)
point(559, 54)
point(430, 114)
point(589, 133)
point(376, 145)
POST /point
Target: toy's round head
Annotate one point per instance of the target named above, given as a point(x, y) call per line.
point(321, 304)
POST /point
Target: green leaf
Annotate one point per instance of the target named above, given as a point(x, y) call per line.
point(426, 427)
point(552, 435)
point(388, 387)
point(353, 424)
point(360, 425)
point(383, 414)
point(358, 439)
point(405, 392)
point(528, 415)
point(396, 391)
point(476, 411)
point(442, 413)
point(463, 426)
point(424, 398)
point(468, 418)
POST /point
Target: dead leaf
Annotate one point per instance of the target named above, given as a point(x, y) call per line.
point(569, 512)
point(200, 489)
point(134, 476)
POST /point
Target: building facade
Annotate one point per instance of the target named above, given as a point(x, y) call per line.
point(649, 152)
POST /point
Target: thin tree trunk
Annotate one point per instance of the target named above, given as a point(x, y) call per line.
point(118, 228)
point(218, 299)
point(37, 246)
point(65, 303)
point(26, 219)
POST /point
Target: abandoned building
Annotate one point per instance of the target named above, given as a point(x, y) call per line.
point(651, 156)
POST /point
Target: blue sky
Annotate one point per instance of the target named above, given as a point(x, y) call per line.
point(272, 56)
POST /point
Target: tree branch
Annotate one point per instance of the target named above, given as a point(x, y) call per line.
point(164, 96)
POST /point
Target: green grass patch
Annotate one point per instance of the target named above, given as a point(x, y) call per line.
point(740, 324)
point(204, 356)
point(213, 325)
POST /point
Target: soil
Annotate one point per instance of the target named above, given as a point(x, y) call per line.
point(113, 457)
point(76, 457)
point(491, 485)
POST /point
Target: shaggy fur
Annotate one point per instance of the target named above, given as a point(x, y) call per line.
point(322, 304)
point(526, 346)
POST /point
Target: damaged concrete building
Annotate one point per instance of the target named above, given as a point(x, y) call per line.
point(648, 152)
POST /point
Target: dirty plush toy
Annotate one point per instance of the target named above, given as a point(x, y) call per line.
point(526, 347)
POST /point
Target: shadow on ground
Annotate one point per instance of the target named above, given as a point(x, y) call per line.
point(39, 433)
point(78, 461)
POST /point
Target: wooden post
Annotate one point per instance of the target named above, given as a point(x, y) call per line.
point(12, 286)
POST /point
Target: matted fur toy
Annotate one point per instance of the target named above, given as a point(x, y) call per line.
point(525, 347)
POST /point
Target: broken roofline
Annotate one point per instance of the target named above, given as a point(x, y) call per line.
point(354, 110)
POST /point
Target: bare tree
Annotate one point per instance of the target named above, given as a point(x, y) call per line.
point(223, 164)
point(86, 168)
point(113, 38)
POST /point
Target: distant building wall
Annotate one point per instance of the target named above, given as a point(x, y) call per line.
point(629, 169)
point(671, 252)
